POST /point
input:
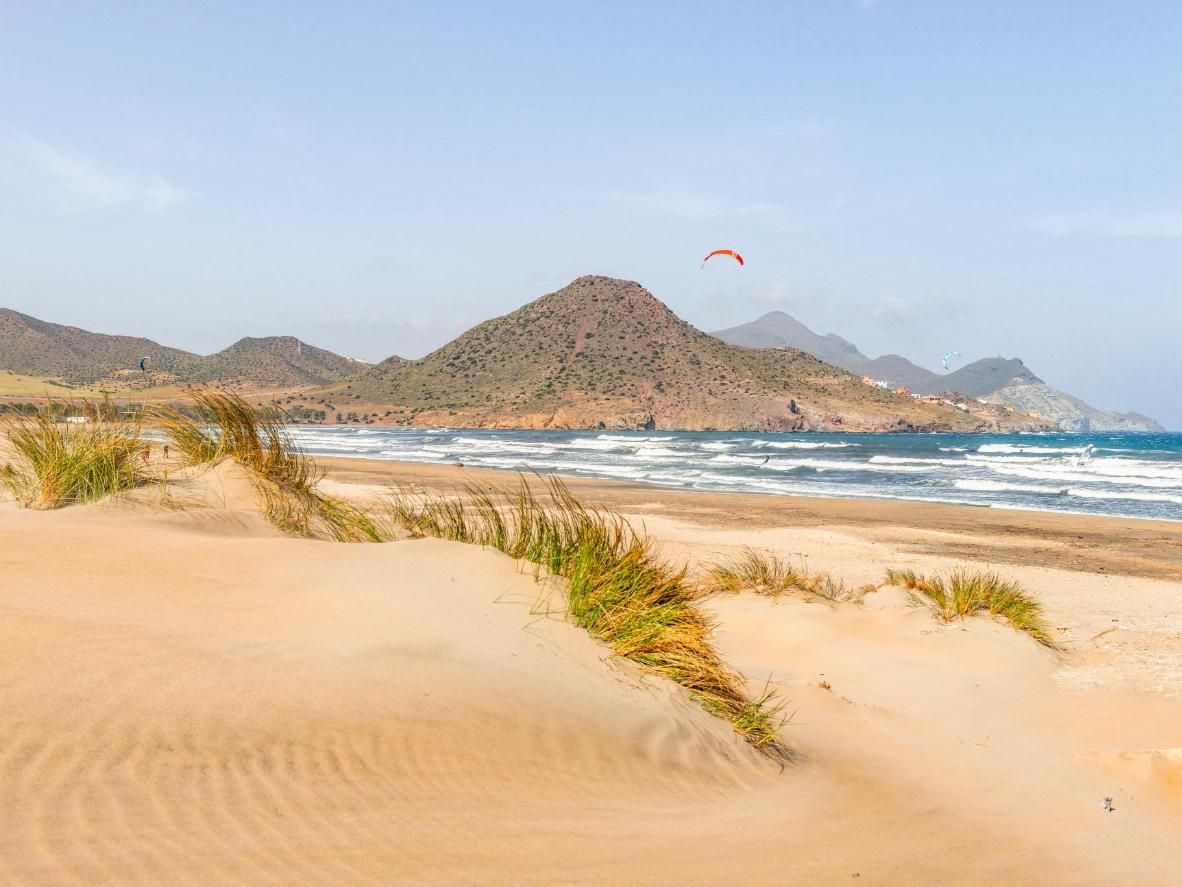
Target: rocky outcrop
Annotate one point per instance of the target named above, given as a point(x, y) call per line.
point(1071, 413)
point(988, 377)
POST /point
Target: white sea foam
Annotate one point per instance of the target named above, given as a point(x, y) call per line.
point(913, 460)
point(994, 486)
point(1117, 494)
point(630, 438)
point(602, 444)
point(1079, 476)
point(1013, 448)
point(1127, 479)
point(789, 464)
point(799, 445)
point(647, 452)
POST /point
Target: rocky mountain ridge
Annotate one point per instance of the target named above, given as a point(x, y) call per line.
point(602, 352)
point(995, 379)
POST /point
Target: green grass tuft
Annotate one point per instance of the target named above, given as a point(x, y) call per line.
point(772, 576)
point(59, 463)
point(286, 480)
point(965, 593)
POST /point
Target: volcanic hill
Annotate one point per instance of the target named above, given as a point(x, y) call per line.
point(281, 361)
point(604, 353)
point(39, 348)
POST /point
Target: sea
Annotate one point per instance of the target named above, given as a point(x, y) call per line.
point(1121, 474)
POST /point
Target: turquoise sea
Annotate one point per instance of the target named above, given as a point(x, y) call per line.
point(1133, 475)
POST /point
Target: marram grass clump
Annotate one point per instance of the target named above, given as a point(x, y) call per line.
point(773, 576)
point(60, 463)
point(225, 426)
point(965, 593)
point(619, 590)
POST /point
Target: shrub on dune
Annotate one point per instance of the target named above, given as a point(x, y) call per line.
point(59, 463)
point(965, 593)
point(773, 576)
point(223, 425)
point(619, 590)
point(908, 579)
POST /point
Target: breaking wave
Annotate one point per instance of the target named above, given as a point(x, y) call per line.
point(1123, 474)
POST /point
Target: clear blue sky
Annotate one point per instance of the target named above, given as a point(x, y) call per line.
point(1000, 178)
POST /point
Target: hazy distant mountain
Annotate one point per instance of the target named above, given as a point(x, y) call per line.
point(778, 330)
point(282, 361)
point(1071, 413)
point(605, 353)
point(1003, 380)
point(39, 348)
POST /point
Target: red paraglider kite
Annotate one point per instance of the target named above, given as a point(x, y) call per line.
point(723, 252)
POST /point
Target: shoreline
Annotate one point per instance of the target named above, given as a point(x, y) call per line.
point(764, 493)
point(1132, 476)
point(333, 712)
point(1132, 546)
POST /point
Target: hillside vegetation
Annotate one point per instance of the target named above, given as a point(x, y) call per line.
point(37, 348)
point(605, 352)
point(281, 361)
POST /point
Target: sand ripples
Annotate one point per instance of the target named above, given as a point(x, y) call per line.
point(268, 715)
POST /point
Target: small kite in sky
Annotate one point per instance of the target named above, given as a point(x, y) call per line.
point(724, 252)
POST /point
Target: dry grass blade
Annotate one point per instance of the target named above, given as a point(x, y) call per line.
point(618, 589)
point(773, 576)
point(908, 579)
point(964, 593)
point(314, 515)
point(225, 426)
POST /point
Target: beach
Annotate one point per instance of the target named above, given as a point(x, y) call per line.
point(1105, 474)
point(194, 697)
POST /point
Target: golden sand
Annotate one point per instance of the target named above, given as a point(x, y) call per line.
point(190, 697)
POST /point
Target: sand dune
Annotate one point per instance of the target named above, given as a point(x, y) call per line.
point(191, 698)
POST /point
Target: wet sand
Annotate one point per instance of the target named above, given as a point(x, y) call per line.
point(1120, 546)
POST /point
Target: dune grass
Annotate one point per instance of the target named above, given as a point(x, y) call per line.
point(965, 593)
point(225, 426)
point(59, 463)
point(773, 576)
point(619, 590)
